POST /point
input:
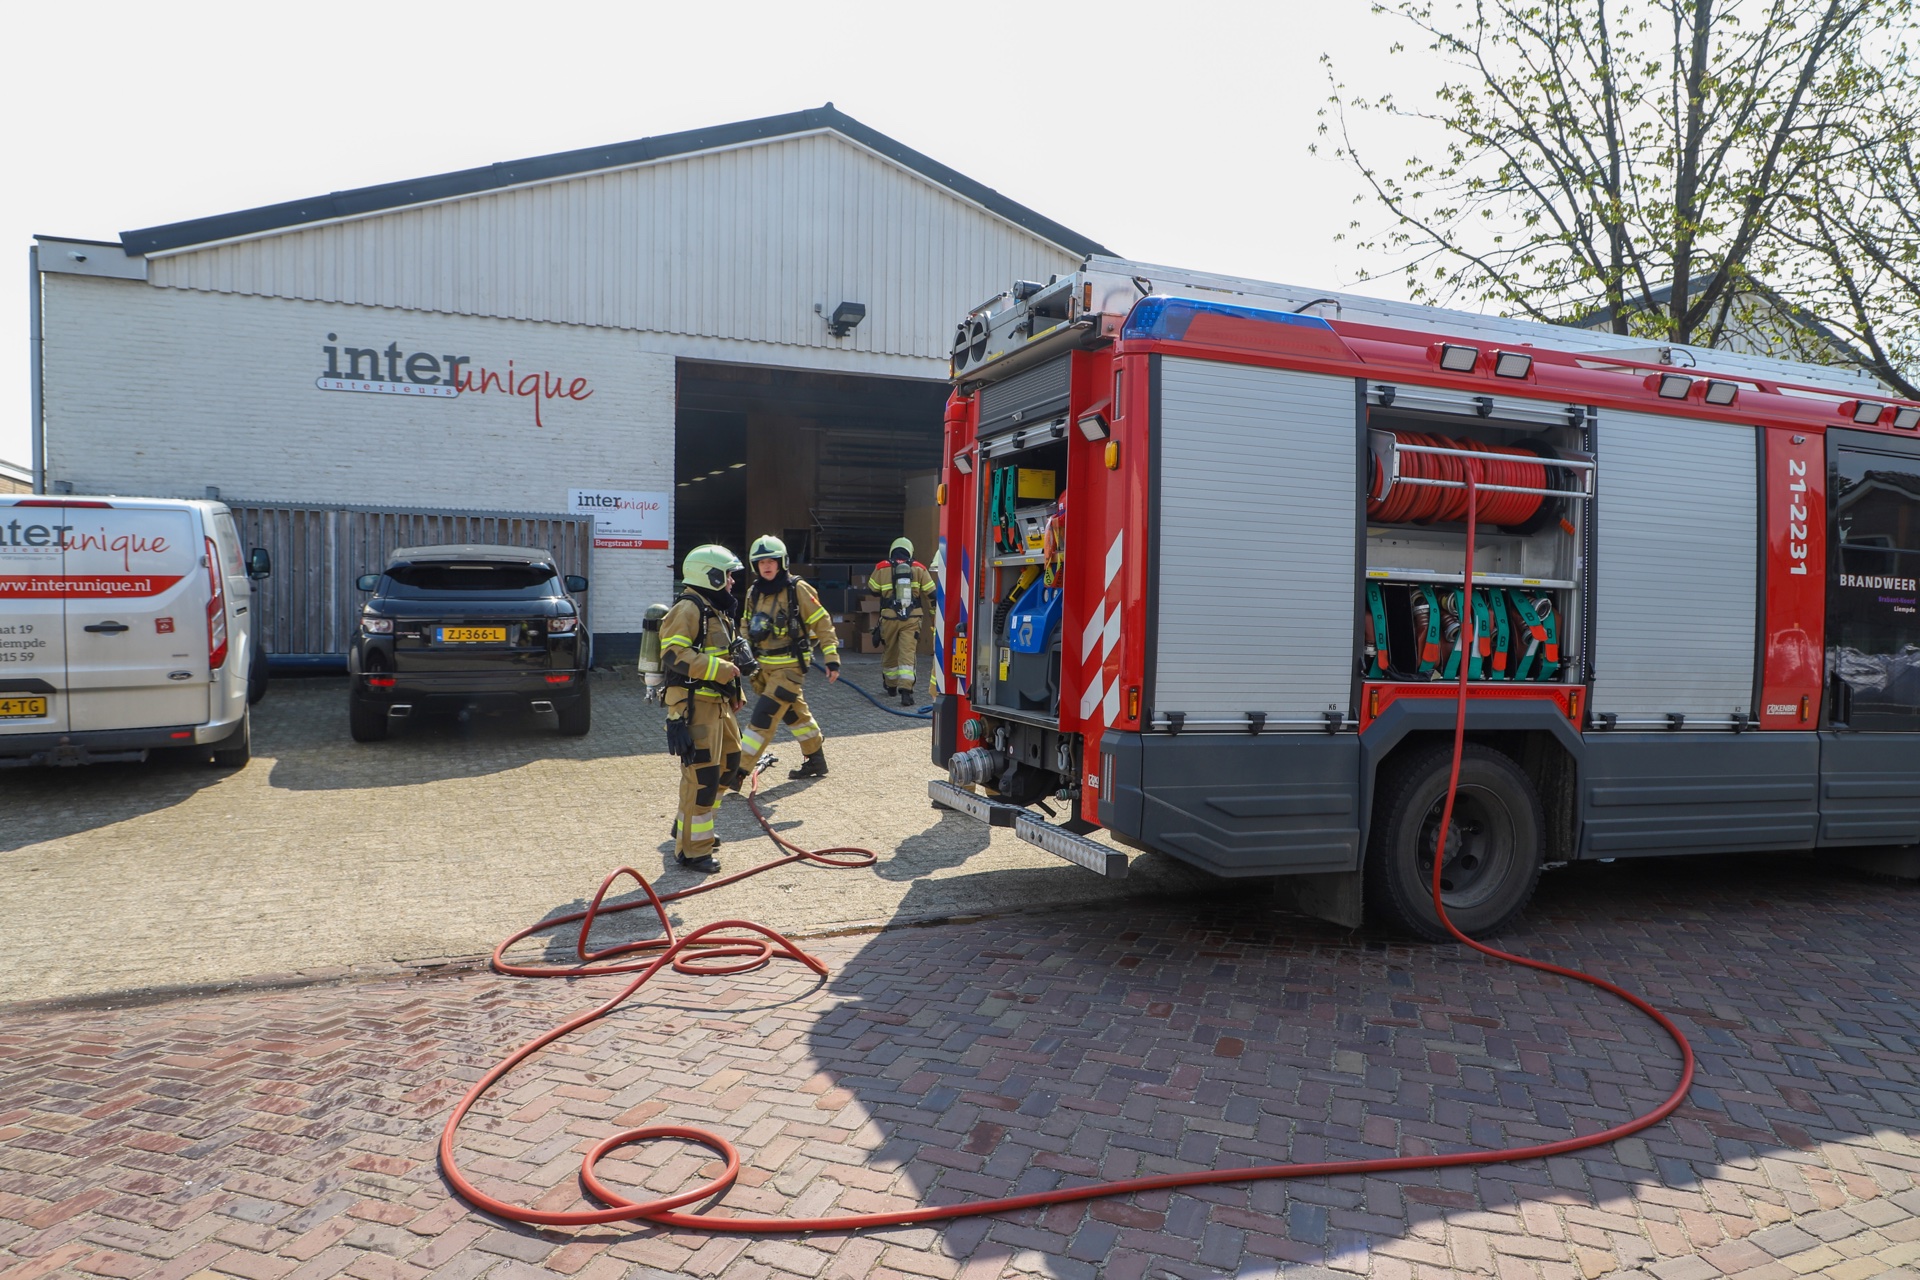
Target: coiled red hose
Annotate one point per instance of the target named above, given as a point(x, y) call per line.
point(1426, 504)
point(738, 953)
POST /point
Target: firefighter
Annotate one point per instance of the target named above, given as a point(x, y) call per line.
point(781, 612)
point(904, 586)
point(697, 648)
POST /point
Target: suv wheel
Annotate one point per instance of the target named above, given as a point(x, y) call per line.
point(366, 720)
point(1494, 850)
point(237, 748)
point(576, 717)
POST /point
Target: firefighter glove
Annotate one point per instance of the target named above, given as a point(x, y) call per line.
point(876, 633)
point(680, 740)
point(833, 668)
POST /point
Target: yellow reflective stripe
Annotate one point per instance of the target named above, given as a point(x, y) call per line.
point(700, 826)
point(705, 693)
point(816, 615)
point(805, 731)
point(750, 743)
point(831, 653)
point(770, 660)
point(667, 642)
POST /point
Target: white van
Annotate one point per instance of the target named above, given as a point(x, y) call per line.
point(126, 625)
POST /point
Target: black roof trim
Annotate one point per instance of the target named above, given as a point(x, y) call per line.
point(562, 164)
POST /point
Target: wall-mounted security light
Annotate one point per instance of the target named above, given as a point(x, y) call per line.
point(846, 318)
point(1907, 417)
point(1719, 392)
point(1093, 426)
point(1864, 412)
point(1674, 386)
point(1512, 364)
point(1458, 359)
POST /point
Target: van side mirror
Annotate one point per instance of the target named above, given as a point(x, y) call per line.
point(575, 582)
point(367, 581)
point(259, 564)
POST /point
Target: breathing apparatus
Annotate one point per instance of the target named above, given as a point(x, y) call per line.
point(650, 663)
point(901, 553)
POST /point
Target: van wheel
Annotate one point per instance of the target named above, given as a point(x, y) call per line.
point(367, 721)
point(1494, 853)
point(576, 717)
point(237, 749)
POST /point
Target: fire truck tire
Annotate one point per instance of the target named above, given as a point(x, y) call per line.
point(1494, 852)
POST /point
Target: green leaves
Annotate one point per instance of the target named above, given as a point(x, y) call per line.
point(1649, 165)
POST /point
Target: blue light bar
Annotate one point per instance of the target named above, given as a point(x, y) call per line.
point(1168, 318)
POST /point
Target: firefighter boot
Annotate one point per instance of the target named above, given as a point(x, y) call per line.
point(814, 766)
point(707, 863)
point(906, 697)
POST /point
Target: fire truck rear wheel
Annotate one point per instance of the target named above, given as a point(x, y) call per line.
point(1494, 850)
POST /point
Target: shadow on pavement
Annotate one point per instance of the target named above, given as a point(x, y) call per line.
point(46, 804)
point(306, 734)
point(1031, 1052)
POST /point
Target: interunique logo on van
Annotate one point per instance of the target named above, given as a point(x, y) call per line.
point(391, 371)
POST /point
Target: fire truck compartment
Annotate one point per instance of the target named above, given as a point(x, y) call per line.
point(1676, 566)
point(1259, 529)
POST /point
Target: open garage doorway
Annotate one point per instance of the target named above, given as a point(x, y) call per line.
point(839, 465)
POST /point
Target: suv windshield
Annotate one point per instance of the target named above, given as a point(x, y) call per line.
point(511, 581)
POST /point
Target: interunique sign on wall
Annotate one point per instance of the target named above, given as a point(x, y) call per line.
point(623, 519)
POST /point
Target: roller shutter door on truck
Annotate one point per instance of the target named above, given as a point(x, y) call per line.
point(1675, 635)
point(1674, 610)
point(1257, 471)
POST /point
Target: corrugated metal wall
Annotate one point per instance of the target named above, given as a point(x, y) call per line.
point(310, 605)
point(734, 244)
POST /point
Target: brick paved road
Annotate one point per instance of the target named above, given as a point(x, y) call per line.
point(290, 1134)
point(325, 855)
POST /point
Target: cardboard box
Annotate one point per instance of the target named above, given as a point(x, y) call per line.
point(870, 604)
point(866, 641)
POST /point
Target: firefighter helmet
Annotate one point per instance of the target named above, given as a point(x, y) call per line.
point(708, 566)
point(900, 545)
point(767, 547)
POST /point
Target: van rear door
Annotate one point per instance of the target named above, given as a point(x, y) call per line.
point(137, 627)
point(33, 653)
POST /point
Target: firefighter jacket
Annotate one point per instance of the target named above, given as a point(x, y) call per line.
point(881, 584)
point(695, 640)
point(779, 617)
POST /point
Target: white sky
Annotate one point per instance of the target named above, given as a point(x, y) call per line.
point(1172, 132)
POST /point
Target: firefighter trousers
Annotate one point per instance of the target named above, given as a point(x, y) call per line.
point(782, 700)
point(714, 764)
point(899, 646)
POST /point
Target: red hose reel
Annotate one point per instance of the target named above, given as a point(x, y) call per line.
point(1391, 501)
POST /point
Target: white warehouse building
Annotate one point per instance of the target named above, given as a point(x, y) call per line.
point(619, 353)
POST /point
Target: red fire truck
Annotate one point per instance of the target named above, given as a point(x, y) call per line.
point(1201, 576)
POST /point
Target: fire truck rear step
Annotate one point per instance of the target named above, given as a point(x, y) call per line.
point(1078, 850)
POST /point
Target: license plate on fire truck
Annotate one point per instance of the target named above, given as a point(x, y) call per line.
point(471, 635)
point(22, 708)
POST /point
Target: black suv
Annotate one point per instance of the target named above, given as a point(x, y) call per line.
point(455, 626)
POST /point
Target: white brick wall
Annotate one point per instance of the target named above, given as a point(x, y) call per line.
point(163, 392)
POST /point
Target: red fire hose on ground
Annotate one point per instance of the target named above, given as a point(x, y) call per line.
point(711, 950)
